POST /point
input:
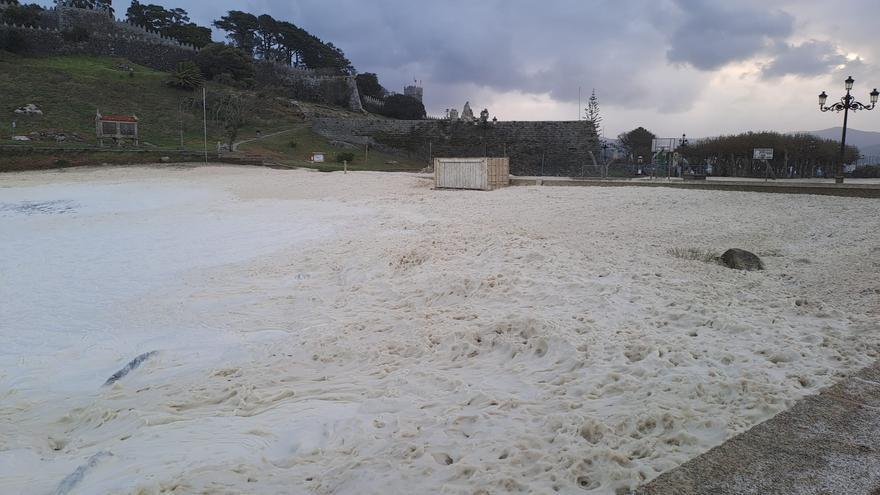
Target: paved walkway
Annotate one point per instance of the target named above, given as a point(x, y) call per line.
point(863, 188)
point(263, 136)
point(827, 444)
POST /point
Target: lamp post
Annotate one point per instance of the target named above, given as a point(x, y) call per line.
point(846, 104)
point(604, 159)
point(682, 147)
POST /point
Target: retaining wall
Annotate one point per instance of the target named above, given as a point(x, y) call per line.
point(559, 148)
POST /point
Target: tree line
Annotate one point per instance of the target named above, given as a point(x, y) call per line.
point(259, 36)
point(267, 38)
point(171, 23)
point(795, 155)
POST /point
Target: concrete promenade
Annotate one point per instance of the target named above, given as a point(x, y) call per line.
point(860, 188)
point(827, 444)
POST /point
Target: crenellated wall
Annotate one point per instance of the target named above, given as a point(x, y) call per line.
point(560, 148)
point(51, 42)
point(310, 85)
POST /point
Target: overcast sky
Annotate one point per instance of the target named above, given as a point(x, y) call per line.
point(673, 66)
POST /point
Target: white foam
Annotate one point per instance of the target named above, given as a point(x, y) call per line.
point(361, 333)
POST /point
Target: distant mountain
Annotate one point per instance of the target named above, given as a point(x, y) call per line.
point(868, 142)
point(855, 137)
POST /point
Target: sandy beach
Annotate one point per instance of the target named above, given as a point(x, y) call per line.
point(322, 333)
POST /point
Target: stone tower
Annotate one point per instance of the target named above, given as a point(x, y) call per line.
point(414, 90)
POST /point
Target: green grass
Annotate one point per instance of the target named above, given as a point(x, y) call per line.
point(278, 149)
point(69, 90)
point(13, 161)
point(694, 254)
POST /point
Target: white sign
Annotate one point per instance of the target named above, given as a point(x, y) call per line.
point(318, 157)
point(762, 153)
point(663, 144)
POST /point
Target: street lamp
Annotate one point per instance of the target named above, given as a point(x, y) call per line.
point(604, 159)
point(846, 104)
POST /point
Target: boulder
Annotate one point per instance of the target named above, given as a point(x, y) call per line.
point(29, 109)
point(740, 259)
point(165, 159)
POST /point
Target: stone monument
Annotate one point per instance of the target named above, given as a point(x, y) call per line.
point(467, 114)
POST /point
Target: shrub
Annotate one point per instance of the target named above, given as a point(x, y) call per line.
point(228, 79)
point(78, 34)
point(403, 107)
point(187, 76)
point(21, 15)
point(867, 172)
point(368, 85)
point(218, 59)
point(344, 157)
point(292, 144)
point(13, 42)
point(694, 254)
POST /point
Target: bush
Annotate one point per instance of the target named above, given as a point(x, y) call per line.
point(78, 34)
point(186, 76)
point(344, 157)
point(694, 254)
point(368, 85)
point(866, 172)
point(13, 42)
point(226, 64)
point(292, 144)
point(403, 107)
point(21, 15)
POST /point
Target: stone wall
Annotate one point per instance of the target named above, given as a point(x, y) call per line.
point(554, 148)
point(51, 42)
point(308, 85)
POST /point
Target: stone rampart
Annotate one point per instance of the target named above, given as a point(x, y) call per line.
point(558, 148)
point(309, 85)
point(143, 51)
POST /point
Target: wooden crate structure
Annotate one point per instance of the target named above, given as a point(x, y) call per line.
point(483, 174)
point(118, 128)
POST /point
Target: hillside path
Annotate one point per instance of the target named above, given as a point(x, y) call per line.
point(264, 136)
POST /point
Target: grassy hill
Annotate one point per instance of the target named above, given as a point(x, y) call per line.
point(295, 146)
point(69, 90)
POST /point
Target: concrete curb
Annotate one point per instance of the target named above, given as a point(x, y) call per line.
point(846, 190)
point(826, 444)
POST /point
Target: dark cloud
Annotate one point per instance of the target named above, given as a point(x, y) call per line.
point(512, 45)
point(714, 34)
point(810, 58)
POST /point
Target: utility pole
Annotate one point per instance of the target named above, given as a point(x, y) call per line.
point(205, 120)
point(180, 121)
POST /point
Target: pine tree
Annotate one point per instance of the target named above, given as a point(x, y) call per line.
point(593, 113)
